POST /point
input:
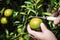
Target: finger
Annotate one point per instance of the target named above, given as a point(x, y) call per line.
point(51, 18)
point(43, 27)
point(55, 14)
point(32, 32)
point(57, 20)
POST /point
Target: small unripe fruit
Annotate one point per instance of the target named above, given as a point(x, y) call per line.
point(21, 38)
point(8, 12)
point(19, 30)
point(3, 20)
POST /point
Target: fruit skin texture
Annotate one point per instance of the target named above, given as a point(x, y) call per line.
point(21, 38)
point(3, 20)
point(35, 23)
point(8, 12)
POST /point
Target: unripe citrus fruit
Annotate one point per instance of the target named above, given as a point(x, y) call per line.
point(8, 12)
point(3, 20)
point(21, 38)
point(35, 23)
point(19, 30)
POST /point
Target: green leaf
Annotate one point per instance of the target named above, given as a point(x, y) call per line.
point(14, 36)
point(46, 13)
point(39, 6)
point(30, 17)
point(23, 13)
point(7, 33)
point(16, 22)
point(32, 10)
point(52, 2)
point(23, 6)
point(37, 1)
point(11, 33)
point(19, 26)
point(27, 2)
point(2, 10)
point(15, 14)
point(27, 37)
point(31, 1)
point(59, 3)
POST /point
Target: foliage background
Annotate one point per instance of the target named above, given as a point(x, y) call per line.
point(23, 10)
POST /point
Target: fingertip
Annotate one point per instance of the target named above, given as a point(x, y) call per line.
point(56, 21)
point(30, 31)
point(43, 27)
point(28, 27)
point(42, 24)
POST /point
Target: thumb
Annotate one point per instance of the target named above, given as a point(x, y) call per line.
point(34, 33)
point(43, 27)
point(57, 21)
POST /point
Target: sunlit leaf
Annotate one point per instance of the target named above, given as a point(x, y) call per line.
point(46, 13)
point(39, 6)
point(27, 36)
point(27, 2)
point(2, 10)
point(52, 2)
point(23, 6)
point(15, 14)
point(59, 3)
point(19, 26)
point(37, 1)
point(23, 13)
point(7, 33)
point(11, 33)
point(17, 22)
point(32, 10)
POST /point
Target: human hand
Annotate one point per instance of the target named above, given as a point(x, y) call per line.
point(56, 14)
point(44, 35)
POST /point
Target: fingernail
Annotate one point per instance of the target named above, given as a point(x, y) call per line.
point(41, 23)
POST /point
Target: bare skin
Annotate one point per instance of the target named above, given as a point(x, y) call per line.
point(56, 14)
point(45, 34)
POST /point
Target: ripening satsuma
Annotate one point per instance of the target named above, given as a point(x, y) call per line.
point(35, 23)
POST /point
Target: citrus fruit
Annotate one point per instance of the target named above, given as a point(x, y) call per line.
point(21, 38)
point(3, 20)
point(8, 12)
point(35, 23)
point(19, 30)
